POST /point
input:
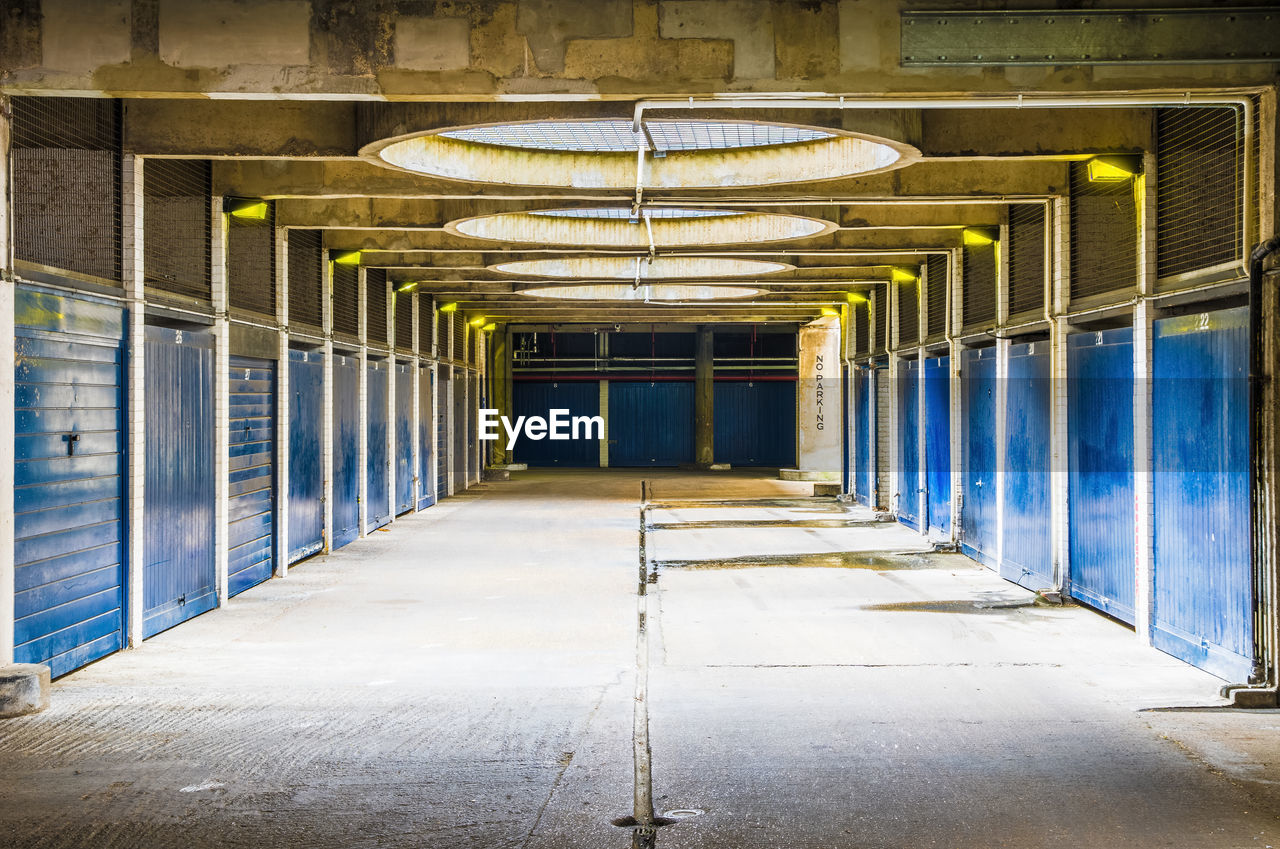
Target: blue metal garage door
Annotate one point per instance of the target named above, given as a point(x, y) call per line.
point(68, 479)
point(1100, 413)
point(537, 398)
point(404, 437)
point(937, 443)
point(863, 430)
point(378, 507)
point(252, 471)
point(181, 573)
point(650, 424)
point(978, 509)
point(442, 432)
point(306, 470)
point(1028, 547)
point(908, 400)
point(346, 450)
point(755, 423)
point(1203, 593)
point(426, 449)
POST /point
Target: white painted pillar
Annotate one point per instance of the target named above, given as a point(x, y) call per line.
point(436, 412)
point(362, 393)
point(1143, 451)
point(7, 366)
point(326, 427)
point(818, 403)
point(1002, 409)
point(1059, 454)
point(954, 309)
point(221, 398)
point(132, 256)
point(389, 497)
point(922, 455)
point(896, 365)
point(281, 519)
point(415, 419)
point(451, 484)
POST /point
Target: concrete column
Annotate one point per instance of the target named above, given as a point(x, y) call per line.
point(1059, 454)
point(500, 399)
point(896, 366)
point(7, 366)
point(326, 429)
point(922, 455)
point(957, 392)
point(1002, 409)
point(281, 519)
point(1143, 493)
point(450, 478)
point(362, 393)
point(437, 376)
point(818, 403)
point(221, 398)
point(390, 495)
point(704, 398)
point(132, 254)
point(604, 414)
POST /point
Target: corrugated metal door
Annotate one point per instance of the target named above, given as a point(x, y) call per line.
point(68, 479)
point(404, 437)
point(755, 423)
point(426, 450)
point(378, 508)
point(538, 398)
point(650, 424)
point(937, 443)
point(1100, 478)
point(863, 412)
point(181, 574)
point(1027, 556)
point(908, 400)
point(306, 467)
point(442, 432)
point(252, 471)
point(978, 508)
point(346, 450)
point(1200, 433)
point(459, 430)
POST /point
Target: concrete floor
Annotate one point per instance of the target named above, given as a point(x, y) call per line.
point(465, 679)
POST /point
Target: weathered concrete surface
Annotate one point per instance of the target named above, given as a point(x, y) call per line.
point(464, 679)
point(24, 689)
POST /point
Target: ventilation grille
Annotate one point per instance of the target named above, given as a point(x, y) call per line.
point(978, 295)
point(1104, 235)
point(177, 227)
point(861, 330)
point(1200, 156)
point(880, 301)
point(251, 263)
point(938, 283)
point(908, 313)
point(375, 298)
point(426, 328)
point(66, 184)
point(458, 329)
point(306, 280)
point(346, 299)
point(404, 321)
point(1026, 258)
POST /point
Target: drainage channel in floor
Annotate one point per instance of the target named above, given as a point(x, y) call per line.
point(764, 523)
point(871, 561)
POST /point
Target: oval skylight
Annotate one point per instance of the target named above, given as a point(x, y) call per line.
point(644, 293)
point(611, 227)
point(618, 135)
point(601, 154)
point(631, 268)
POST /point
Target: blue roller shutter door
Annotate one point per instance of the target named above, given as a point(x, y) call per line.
point(937, 443)
point(650, 424)
point(538, 398)
point(755, 423)
point(908, 400)
point(306, 469)
point(1028, 552)
point(346, 450)
point(404, 437)
point(378, 508)
point(252, 473)
point(978, 508)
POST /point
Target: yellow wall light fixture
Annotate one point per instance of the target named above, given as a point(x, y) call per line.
point(248, 209)
point(490, 327)
point(477, 321)
point(976, 237)
point(1113, 169)
point(405, 288)
point(448, 308)
point(830, 311)
point(855, 298)
point(345, 257)
point(904, 275)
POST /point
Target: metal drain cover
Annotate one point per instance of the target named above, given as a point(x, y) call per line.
point(683, 813)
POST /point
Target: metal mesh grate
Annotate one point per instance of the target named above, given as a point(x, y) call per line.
point(1199, 186)
point(306, 280)
point(251, 263)
point(375, 299)
point(880, 301)
point(426, 329)
point(404, 321)
point(1104, 234)
point(66, 183)
point(861, 329)
point(618, 136)
point(458, 337)
point(346, 299)
point(624, 213)
point(939, 282)
point(908, 312)
point(1026, 258)
point(978, 294)
point(177, 226)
